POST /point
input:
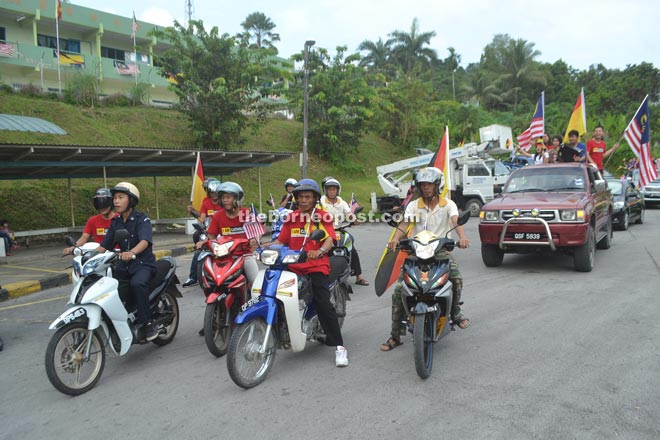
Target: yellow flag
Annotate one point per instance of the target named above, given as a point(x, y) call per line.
point(578, 119)
point(197, 194)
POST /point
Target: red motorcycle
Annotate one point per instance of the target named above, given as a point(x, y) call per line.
point(225, 286)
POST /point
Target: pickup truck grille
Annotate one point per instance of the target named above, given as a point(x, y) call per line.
point(548, 215)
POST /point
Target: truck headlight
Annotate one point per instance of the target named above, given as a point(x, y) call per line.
point(572, 215)
point(490, 216)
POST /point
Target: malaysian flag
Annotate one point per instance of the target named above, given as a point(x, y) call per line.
point(638, 135)
point(354, 203)
point(125, 69)
point(536, 127)
point(6, 49)
point(252, 227)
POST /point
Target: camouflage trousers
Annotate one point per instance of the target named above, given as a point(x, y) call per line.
point(399, 313)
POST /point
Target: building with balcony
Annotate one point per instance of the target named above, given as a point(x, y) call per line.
point(89, 39)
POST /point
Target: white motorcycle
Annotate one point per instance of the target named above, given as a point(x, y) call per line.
point(102, 314)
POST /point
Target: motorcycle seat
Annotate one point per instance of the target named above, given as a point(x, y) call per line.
point(163, 266)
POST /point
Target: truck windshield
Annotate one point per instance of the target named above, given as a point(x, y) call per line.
point(546, 180)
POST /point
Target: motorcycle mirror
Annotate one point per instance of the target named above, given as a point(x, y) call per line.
point(69, 241)
point(269, 203)
point(359, 209)
point(198, 227)
point(463, 218)
point(317, 235)
point(120, 238)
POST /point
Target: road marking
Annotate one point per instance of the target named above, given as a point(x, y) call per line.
point(16, 306)
point(41, 270)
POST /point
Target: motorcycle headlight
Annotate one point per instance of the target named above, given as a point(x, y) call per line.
point(91, 266)
point(618, 205)
point(269, 256)
point(77, 268)
point(291, 258)
point(425, 251)
point(220, 250)
point(572, 215)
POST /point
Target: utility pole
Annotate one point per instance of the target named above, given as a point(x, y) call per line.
point(308, 44)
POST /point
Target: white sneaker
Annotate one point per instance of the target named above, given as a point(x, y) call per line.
point(341, 356)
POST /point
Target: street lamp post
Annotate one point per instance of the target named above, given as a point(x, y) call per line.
point(308, 44)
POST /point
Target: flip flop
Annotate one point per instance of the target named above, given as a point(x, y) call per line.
point(362, 282)
point(390, 344)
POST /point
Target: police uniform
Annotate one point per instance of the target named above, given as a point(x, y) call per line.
point(140, 270)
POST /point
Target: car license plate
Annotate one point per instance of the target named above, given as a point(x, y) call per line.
point(527, 236)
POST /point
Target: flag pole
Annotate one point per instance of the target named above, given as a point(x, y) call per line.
point(57, 36)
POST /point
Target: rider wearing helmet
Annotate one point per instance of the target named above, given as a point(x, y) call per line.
point(437, 214)
point(229, 221)
point(97, 225)
point(210, 205)
point(139, 262)
point(331, 202)
point(317, 266)
point(288, 200)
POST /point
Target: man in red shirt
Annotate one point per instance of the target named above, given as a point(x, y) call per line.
point(297, 227)
point(97, 225)
point(597, 149)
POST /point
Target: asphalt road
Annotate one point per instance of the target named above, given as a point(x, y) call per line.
point(551, 354)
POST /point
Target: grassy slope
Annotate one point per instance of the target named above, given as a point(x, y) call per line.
point(37, 204)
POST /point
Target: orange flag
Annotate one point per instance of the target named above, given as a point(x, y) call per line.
point(440, 160)
point(578, 119)
point(197, 194)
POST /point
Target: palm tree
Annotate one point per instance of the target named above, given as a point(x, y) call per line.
point(408, 49)
point(480, 89)
point(520, 67)
point(378, 56)
point(452, 62)
point(259, 27)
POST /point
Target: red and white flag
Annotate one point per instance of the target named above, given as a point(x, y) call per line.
point(252, 226)
point(536, 127)
point(638, 135)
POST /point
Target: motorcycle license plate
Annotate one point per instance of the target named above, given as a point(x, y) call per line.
point(249, 304)
point(527, 236)
point(74, 315)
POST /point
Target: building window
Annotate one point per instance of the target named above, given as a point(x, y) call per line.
point(3, 35)
point(113, 54)
point(72, 46)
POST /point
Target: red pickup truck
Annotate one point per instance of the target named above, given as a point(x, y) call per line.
point(563, 207)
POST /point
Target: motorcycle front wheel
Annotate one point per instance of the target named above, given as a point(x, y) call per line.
point(66, 366)
point(423, 344)
point(216, 330)
point(247, 363)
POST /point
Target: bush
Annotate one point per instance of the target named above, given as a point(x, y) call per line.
point(116, 100)
point(82, 89)
point(6, 89)
point(139, 94)
point(30, 90)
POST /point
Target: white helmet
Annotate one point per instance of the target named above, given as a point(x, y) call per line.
point(128, 189)
point(290, 181)
point(331, 181)
point(431, 175)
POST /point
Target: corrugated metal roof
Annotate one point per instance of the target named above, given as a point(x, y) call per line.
point(26, 123)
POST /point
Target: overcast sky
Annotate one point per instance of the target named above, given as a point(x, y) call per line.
point(614, 33)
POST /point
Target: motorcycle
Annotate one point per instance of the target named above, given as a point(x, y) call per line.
point(225, 286)
point(102, 314)
point(427, 293)
point(281, 316)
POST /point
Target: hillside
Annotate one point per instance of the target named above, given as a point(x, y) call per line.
point(39, 204)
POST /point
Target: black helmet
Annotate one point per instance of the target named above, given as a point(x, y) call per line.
point(102, 199)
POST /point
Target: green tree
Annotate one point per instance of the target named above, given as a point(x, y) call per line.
point(409, 49)
point(217, 83)
point(453, 61)
point(480, 89)
point(340, 103)
point(259, 28)
point(378, 54)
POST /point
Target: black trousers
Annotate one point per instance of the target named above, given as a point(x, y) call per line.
point(356, 268)
point(139, 283)
point(324, 308)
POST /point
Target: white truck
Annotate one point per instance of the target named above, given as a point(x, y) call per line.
point(475, 177)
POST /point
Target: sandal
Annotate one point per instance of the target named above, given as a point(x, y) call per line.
point(362, 282)
point(390, 344)
point(461, 322)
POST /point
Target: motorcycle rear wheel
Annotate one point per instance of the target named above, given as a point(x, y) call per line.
point(423, 344)
point(167, 304)
point(216, 330)
point(66, 368)
point(246, 366)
